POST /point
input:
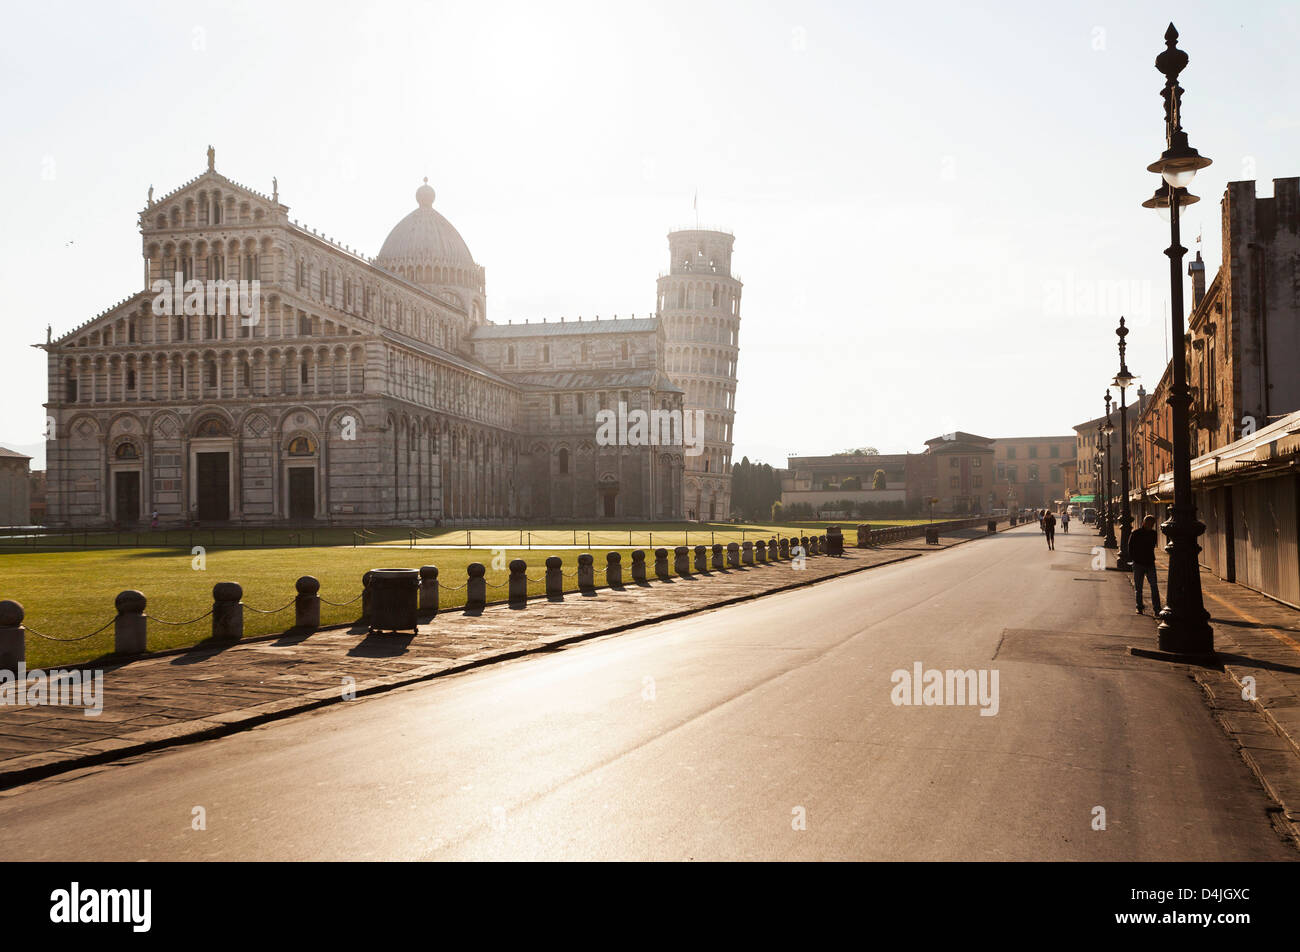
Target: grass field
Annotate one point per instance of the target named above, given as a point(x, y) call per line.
point(541, 535)
point(67, 587)
point(69, 594)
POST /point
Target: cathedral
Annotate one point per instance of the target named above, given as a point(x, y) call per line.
point(269, 375)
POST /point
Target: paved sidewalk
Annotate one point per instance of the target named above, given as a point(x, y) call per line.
point(1256, 696)
point(176, 697)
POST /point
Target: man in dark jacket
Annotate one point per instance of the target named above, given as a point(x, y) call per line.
point(1049, 528)
point(1142, 553)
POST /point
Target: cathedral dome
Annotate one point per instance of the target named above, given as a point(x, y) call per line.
point(424, 239)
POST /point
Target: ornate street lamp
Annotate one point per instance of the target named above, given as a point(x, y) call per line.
point(1108, 429)
point(1100, 470)
point(1123, 380)
point(1096, 494)
point(1184, 622)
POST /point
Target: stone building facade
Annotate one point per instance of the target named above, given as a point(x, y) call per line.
point(341, 388)
point(1036, 471)
point(1244, 330)
point(15, 488)
point(1243, 334)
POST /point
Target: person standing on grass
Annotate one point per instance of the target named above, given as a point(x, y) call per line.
point(1049, 529)
point(1142, 553)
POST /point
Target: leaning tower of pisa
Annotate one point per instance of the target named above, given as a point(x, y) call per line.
point(699, 304)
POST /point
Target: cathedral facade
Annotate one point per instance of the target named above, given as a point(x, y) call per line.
point(266, 374)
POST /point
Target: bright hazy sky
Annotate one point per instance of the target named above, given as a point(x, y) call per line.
point(928, 200)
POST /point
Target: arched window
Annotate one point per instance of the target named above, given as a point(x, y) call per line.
point(564, 462)
point(209, 373)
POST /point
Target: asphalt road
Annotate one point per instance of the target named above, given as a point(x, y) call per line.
point(718, 736)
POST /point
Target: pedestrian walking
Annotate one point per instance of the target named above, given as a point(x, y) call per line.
point(1065, 521)
point(1142, 553)
point(1049, 529)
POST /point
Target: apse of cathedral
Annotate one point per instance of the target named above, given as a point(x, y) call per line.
point(266, 374)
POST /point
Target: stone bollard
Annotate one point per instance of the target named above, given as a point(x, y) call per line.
point(661, 565)
point(773, 553)
point(475, 585)
point(13, 637)
point(517, 586)
point(821, 545)
point(784, 548)
point(586, 572)
point(746, 553)
point(760, 550)
point(638, 567)
point(701, 560)
point(682, 561)
point(718, 564)
point(227, 611)
point(554, 577)
point(614, 570)
point(365, 594)
point(802, 542)
point(131, 626)
point(306, 606)
point(428, 589)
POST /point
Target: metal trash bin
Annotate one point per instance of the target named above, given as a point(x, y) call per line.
point(931, 535)
point(394, 599)
point(834, 541)
point(993, 526)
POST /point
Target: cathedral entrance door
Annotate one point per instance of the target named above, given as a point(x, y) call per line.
point(302, 492)
point(213, 486)
point(609, 504)
point(126, 497)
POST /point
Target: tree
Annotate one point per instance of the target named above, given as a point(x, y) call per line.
point(777, 511)
point(878, 481)
point(853, 482)
point(754, 487)
point(860, 451)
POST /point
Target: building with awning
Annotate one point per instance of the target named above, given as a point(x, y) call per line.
point(1246, 494)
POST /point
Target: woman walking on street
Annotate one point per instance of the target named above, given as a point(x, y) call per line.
point(1049, 530)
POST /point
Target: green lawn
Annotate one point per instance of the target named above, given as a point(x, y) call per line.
point(67, 587)
point(539, 535)
point(68, 594)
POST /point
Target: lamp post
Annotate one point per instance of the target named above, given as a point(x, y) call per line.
point(1123, 380)
point(1100, 471)
point(1108, 428)
point(1184, 622)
